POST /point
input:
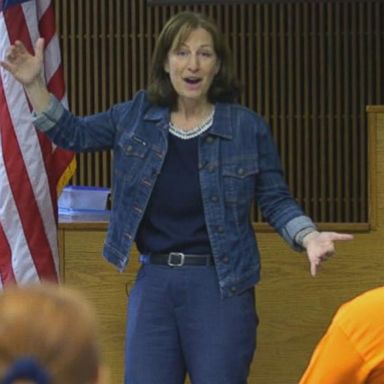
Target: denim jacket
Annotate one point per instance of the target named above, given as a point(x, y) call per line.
point(238, 166)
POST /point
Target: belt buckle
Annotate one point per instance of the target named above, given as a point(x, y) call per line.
point(180, 263)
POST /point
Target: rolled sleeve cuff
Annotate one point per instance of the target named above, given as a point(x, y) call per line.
point(296, 229)
point(47, 119)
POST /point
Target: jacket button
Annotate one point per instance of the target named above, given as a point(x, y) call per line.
point(214, 198)
point(240, 171)
point(220, 229)
point(233, 289)
point(129, 148)
point(225, 259)
point(209, 140)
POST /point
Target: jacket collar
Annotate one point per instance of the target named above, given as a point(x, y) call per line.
point(222, 121)
point(155, 112)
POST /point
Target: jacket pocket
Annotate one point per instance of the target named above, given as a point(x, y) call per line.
point(239, 180)
point(130, 158)
point(134, 146)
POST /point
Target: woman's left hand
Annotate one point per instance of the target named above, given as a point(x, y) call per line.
point(320, 246)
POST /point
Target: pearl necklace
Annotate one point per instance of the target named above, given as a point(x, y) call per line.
point(195, 131)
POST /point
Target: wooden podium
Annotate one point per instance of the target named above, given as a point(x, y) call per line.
point(294, 308)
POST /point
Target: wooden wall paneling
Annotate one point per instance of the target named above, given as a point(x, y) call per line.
point(353, 207)
point(361, 181)
point(245, 77)
point(378, 80)
point(308, 67)
point(372, 166)
point(251, 50)
point(267, 56)
point(272, 86)
point(94, 87)
point(258, 105)
point(320, 135)
point(329, 115)
point(149, 37)
point(291, 139)
point(72, 81)
point(314, 108)
point(102, 47)
point(142, 40)
point(125, 41)
point(298, 167)
point(347, 110)
point(88, 54)
point(306, 101)
point(111, 52)
point(134, 56)
point(118, 38)
point(337, 91)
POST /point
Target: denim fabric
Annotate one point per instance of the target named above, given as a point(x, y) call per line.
point(238, 166)
point(177, 322)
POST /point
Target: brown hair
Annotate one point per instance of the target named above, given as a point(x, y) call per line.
point(53, 325)
point(224, 87)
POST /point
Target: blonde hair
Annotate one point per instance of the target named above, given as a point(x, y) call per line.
point(55, 326)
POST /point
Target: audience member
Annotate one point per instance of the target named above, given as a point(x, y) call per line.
point(352, 350)
point(48, 336)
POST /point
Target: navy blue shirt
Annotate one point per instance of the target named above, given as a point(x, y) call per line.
point(174, 219)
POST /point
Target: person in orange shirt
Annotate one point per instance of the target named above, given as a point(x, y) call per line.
point(352, 350)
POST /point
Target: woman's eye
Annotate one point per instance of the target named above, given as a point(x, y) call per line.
point(206, 54)
point(181, 53)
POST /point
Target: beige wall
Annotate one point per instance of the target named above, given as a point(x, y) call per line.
point(294, 308)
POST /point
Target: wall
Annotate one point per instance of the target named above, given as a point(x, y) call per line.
point(308, 67)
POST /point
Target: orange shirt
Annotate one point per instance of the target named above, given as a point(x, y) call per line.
point(352, 350)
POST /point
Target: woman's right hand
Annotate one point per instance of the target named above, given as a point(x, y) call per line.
point(25, 67)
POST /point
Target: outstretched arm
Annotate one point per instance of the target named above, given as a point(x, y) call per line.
point(27, 69)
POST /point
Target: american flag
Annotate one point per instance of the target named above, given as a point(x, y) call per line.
point(31, 168)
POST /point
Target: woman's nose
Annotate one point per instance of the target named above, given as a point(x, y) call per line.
point(193, 64)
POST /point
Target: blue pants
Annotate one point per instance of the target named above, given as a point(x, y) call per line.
point(178, 323)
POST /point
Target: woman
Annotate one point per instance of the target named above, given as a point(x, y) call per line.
point(47, 336)
point(188, 164)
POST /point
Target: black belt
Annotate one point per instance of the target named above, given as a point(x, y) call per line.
point(178, 259)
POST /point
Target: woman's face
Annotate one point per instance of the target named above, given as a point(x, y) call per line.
point(192, 66)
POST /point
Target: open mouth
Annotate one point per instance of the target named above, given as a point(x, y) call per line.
point(192, 80)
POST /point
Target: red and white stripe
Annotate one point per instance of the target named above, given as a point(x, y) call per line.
point(30, 166)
